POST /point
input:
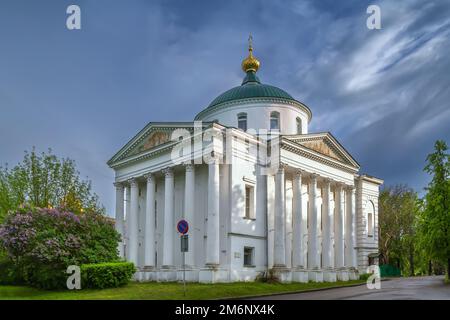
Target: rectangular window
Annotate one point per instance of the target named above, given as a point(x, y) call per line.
point(274, 124)
point(249, 202)
point(370, 224)
point(242, 121)
point(248, 256)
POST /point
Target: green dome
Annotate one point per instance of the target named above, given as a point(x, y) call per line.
point(251, 88)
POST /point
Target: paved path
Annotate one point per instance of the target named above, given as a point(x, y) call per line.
point(428, 288)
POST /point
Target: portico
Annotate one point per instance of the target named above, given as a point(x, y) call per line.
point(299, 213)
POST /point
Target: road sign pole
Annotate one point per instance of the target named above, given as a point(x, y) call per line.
point(183, 228)
point(184, 273)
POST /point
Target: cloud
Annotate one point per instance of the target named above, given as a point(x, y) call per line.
point(383, 93)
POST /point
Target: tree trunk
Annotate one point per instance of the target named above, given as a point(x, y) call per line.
point(448, 268)
point(411, 262)
point(430, 268)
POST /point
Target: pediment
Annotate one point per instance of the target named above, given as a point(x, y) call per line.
point(153, 136)
point(155, 139)
point(325, 144)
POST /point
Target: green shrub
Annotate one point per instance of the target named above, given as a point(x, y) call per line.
point(106, 275)
point(364, 276)
point(42, 243)
point(9, 275)
point(45, 277)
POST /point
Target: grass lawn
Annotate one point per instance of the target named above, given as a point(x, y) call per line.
point(166, 291)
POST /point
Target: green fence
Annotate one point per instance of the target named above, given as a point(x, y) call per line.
point(387, 270)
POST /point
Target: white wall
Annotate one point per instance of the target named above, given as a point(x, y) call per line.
point(258, 116)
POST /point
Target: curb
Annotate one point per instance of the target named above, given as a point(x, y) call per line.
point(294, 292)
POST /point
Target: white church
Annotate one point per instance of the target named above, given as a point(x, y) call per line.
point(263, 196)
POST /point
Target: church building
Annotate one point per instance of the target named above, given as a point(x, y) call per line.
point(263, 196)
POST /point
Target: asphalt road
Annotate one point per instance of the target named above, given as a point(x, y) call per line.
point(421, 288)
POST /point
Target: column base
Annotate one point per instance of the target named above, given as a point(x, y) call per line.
point(191, 273)
point(353, 274)
point(167, 274)
point(315, 275)
point(329, 275)
point(281, 273)
point(342, 274)
point(212, 274)
point(300, 275)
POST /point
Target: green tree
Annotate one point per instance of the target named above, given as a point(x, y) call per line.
point(43, 180)
point(398, 209)
point(434, 221)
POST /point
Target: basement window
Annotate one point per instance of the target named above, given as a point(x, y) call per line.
point(249, 256)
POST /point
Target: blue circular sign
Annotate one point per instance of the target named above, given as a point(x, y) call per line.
point(183, 226)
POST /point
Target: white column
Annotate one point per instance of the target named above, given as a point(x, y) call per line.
point(279, 225)
point(169, 226)
point(149, 231)
point(133, 222)
point(313, 252)
point(127, 219)
point(349, 246)
point(189, 194)
point(297, 246)
point(354, 251)
point(213, 223)
point(327, 226)
point(120, 216)
point(339, 227)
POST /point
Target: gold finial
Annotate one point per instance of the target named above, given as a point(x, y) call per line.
point(250, 63)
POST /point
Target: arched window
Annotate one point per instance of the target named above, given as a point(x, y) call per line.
point(242, 121)
point(274, 120)
point(299, 125)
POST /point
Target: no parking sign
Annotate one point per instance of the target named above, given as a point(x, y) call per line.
point(183, 226)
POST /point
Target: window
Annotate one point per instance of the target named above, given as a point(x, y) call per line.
point(249, 202)
point(370, 219)
point(370, 224)
point(274, 120)
point(242, 121)
point(299, 125)
point(248, 256)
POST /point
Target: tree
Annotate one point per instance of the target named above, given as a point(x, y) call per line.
point(398, 209)
point(434, 221)
point(44, 181)
point(42, 243)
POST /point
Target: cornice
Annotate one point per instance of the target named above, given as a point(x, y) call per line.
point(316, 156)
point(222, 105)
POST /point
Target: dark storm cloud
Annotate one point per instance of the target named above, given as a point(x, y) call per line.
point(383, 93)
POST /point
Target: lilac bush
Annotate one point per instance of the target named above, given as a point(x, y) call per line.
point(42, 242)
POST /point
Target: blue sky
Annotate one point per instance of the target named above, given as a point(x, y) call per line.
point(383, 93)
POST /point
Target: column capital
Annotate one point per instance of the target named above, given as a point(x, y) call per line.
point(282, 167)
point(168, 172)
point(349, 187)
point(326, 182)
point(299, 173)
point(339, 186)
point(118, 185)
point(149, 177)
point(133, 182)
point(189, 167)
point(313, 177)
